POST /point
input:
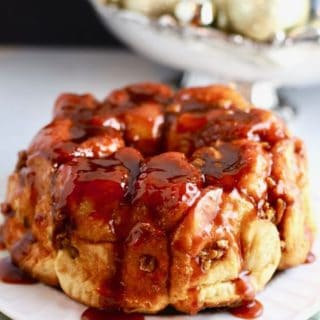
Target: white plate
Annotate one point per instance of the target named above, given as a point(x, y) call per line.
point(291, 295)
point(29, 81)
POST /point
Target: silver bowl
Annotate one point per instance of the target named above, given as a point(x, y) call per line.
point(293, 60)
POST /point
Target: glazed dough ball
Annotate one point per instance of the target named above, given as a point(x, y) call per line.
point(261, 19)
point(149, 7)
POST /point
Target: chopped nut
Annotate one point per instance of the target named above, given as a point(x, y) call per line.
point(216, 153)
point(271, 183)
point(148, 263)
point(220, 254)
point(260, 204)
point(203, 253)
point(223, 244)
point(265, 145)
point(207, 256)
point(72, 251)
point(61, 241)
point(207, 259)
point(281, 208)
point(213, 254)
point(206, 264)
point(266, 205)
point(85, 208)
point(198, 162)
point(267, 212)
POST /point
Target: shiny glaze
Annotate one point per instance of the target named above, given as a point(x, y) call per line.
point(168, 185)
point(250, 307)
point(230, 162)
point(107, 185)
point(137, 94)
point(244, 287)
point(76, 107)
point(143, 128)
point(138, 111)
point(82, 127)
point(199, 129)
point(255, 125)
point(203, 99)
point(191, 123)
point(97, 314)
point(207, 213)
point(9, 273)
point(248, 310)
point(73, 133)
point(142, 200)
point(62, 140)
point(222, 165)
point(213, 224)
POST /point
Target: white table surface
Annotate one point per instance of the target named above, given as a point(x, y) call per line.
point(31, 79)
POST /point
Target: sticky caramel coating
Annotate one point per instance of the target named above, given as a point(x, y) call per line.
point(74, 106)
point(167, 186)
point(242, 164)
point(206, 98)
point(95, 194)
point(139, 111)
point(195, 121)
point(152, 198)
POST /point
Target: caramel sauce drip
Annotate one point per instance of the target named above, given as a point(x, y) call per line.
point(22, 247)
point(97, 314)
point(9, 273)
point(244, 287)
point(222, 165)
point(248, 310)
